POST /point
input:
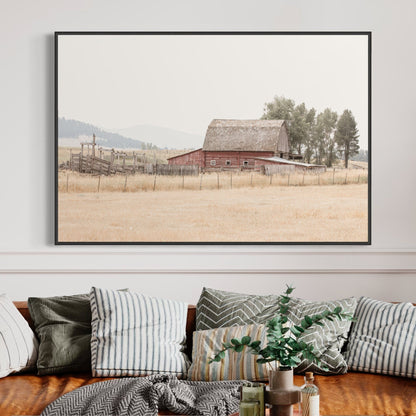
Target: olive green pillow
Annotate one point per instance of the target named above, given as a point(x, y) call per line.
point(63, 326)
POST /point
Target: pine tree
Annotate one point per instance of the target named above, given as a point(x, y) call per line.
point(346, 136)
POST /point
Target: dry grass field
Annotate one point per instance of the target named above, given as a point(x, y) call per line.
point(73, 182)
point(242, 214)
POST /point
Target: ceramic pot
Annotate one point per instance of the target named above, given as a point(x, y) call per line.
point(281, 394)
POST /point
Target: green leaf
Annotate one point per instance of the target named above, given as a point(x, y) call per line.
point(338, 309)
point(299, 328)
point(289, 289)
point(221, 354)
point(295, 332)
point(308, 319)
point(239, 348)
point(235, 342)
point(255, 344)
point(246, 340)
point(304, 324)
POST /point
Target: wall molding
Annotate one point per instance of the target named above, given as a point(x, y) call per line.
point(202, 272)
point(212, 261)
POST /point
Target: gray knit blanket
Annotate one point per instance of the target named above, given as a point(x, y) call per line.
point(145, 396)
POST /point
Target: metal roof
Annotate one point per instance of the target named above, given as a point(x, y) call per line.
point(289, 162)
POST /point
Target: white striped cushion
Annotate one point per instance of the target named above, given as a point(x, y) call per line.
point(383, 339)
point(137, 335)
point(235, 365)
point(18, 344)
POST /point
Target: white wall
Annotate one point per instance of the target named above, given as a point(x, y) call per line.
point(31, 265)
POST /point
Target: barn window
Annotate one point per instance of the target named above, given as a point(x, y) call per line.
point(245, 163)
point(281, 154)
point(213, 162)
point(228, 163)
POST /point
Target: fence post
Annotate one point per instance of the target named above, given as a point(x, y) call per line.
point(67, 180)
point(303, 180)
point(125, 184)
point(99, 182)
point(218, 180)
point(154, 183)
point(200, 183)
point(333, 177)
point(271, 179)
point(183, 181)
point(231, 180)
point(251, 180)
point(288, 179)
point(319, 179)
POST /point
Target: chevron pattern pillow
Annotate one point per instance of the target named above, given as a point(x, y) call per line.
point(328, 339)
point(217, 308)
point(137, 335)
point(383, 339)
point(235, 366)
point(18, 344)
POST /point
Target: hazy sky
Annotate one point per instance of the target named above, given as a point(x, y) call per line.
point(183, 82)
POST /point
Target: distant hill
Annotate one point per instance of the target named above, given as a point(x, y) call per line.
point(72, 132)
point(163, 137)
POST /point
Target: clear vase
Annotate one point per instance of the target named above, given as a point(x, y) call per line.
point(281, 394)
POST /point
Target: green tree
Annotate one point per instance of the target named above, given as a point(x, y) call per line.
point(298, 127)
point(329, 121)
point(308, 144)
point(280, 108)
point(346, 136)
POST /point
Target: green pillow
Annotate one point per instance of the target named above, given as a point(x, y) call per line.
point(63, 326)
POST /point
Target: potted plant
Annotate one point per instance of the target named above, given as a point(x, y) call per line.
point(284, 351)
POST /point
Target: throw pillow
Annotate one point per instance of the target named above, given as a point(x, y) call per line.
point(217, 308)
point(328, 339)
point(18, 344)
point(383, 339)
point(63, 326)
point(234, 366)
point(135, 335)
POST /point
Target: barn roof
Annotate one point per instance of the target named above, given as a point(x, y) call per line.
point(183, 154)
point(243, 135)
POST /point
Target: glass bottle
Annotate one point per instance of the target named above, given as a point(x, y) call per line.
point(310, 396)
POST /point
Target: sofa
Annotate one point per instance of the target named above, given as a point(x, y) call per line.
point(353, 393)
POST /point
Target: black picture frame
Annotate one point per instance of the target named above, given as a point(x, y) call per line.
point(58, 35)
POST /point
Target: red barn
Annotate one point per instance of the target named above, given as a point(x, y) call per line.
point(236, 144)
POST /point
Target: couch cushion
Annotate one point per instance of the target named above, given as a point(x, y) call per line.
point(63, 325)
point(18, 344)
point(383, 339)
point(135, 334)
point(234, 366)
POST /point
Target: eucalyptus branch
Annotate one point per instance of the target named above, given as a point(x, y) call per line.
point(284, 344)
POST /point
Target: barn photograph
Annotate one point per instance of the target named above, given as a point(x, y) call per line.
point(181, 139)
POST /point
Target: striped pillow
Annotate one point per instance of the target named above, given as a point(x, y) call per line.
point(137, 335)
point(235, 366)
point(18, 344)
point(383, 339)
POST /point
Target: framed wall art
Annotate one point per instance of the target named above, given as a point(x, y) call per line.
point(213, 137)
